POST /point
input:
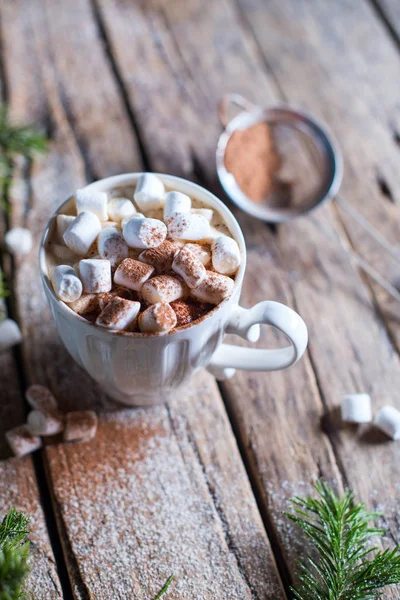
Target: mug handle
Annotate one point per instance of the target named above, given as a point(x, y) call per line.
point(246, 323)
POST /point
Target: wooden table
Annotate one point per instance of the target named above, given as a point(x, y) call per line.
point(197, 488)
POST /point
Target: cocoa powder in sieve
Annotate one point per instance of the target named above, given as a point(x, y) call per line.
point(253, 160)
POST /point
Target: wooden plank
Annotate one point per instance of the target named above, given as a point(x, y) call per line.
point(18, 486)
point(208, 50)
point(158, 491)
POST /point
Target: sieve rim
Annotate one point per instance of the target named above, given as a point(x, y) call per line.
point(321, 136)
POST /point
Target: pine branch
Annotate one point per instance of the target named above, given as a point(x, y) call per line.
point(4, 292)
point(340, 532)
point(164, 588)
point(14, 555)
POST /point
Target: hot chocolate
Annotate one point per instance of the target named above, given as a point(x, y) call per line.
point(152, 271)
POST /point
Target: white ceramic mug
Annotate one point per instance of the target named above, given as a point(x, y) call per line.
point(139, 369)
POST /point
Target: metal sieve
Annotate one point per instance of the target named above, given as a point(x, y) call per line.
point(312, 165)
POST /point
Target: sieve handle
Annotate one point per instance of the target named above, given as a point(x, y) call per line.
point(245, 322)
point(234, 99)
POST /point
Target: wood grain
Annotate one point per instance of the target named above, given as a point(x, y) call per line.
point(18, 485)
point(277, 416)
point(158, 491)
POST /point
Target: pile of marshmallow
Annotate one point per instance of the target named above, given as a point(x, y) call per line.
point(356, 408)
point(161, 260)
point(46, 420)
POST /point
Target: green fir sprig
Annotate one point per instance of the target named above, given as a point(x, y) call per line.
point(15, 141)
point(340, 531)
point(14, 555)
point(165, 587)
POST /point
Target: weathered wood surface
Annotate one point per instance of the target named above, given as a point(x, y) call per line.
point(277, 416)
point(18, 485)
point(158, 491)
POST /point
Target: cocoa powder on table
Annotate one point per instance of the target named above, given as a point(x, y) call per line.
point(253, 160)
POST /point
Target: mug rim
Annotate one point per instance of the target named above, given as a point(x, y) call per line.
point(106, 184)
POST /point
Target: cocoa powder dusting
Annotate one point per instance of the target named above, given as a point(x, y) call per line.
point(160, 257)
point(253, 160)
point(188, 311)
point(165, 315)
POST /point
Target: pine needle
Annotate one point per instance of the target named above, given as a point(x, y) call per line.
point(14, 555)
point(163, 589)
point(340, 532)
point(4, 292)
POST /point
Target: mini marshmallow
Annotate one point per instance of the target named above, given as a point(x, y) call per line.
point(189, 267)
point(214, 288)
point(158, 318)
point(149, 193)
point(96, 275)
point(161, 258)
point(22, 442)
point(201, 252)
point(40, 398)
point(189, 226)
point(44, 423)
point(120, 208)
point(387, 419)
point(87, 303)
point(10, 334)
point(62, 253)
point(18, 241)
point(132, 274)
point(66, 283)
point(119, 313)
point(112, 246)
point(163, 288)
point(82, 232)
point(63, 222)
point(144, 233)
point(137, 215)
point(356, 408)
point(80, 426)
point(107, 224)
point(91, 201)
point(216, 232)
point(176, 203)
point(225, 255)
point(207, 213)
point(117, 290)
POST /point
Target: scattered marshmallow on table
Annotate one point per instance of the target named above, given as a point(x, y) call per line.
point(387, 419)
point(44, 423)
point(225, 255)
point(18, 241)
point(163, 288)
point(137, 215)
point(112, 246)
point(120, 208)
point(214, 288)
point(108, 224)
point(158, 318)
point(80, 426)
point(161, 257)
point(207, 213)
point(176, 203)
point(22, 442)
point(356, 408)
point(63, 222)
point(189, 226)
point(201, 252)
point(95, 275)
point(132, 274)
point(189, 267)
point(119, 313)
point(88, 200)
point(10, 334)
point(149, 193)
point(39, 397)
point(66, 283)
point(144, 232)
point(82, 232)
